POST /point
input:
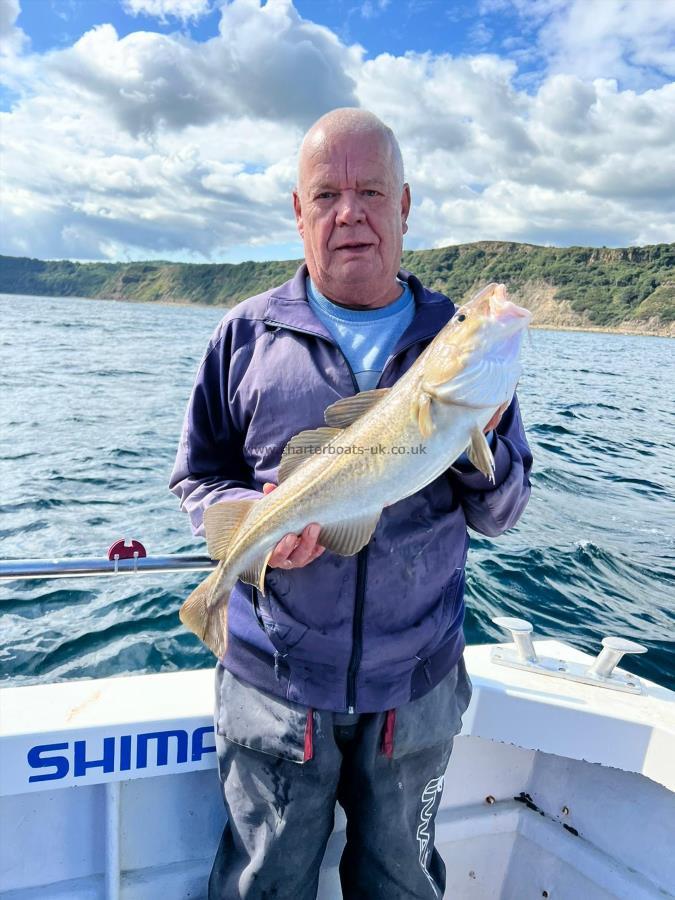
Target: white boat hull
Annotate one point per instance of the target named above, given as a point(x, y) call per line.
point(554, 789)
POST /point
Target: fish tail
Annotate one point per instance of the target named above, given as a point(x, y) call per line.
point(204, 615)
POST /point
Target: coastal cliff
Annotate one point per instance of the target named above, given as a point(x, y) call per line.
point(628, 289)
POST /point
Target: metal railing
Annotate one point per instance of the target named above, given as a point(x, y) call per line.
point(82, 567)
point(123, 559)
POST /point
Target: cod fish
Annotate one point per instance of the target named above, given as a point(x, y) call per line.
point(345, 473)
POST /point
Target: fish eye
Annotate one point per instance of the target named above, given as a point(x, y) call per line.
point(460, 317)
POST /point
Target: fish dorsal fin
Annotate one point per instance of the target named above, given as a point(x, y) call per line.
point(480, 454)
point(255, 574)
point(304, 446)
point(346, 411)
point(347, 538)
point(221, 523)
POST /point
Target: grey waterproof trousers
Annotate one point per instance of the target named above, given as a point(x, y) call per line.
point(283, 767)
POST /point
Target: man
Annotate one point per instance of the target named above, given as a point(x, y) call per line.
point(345, 680)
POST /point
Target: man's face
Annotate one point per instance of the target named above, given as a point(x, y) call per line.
point(351, 214)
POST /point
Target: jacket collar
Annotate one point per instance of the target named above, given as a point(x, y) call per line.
point(288, 306)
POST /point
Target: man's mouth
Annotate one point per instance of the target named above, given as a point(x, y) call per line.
point(354, 245)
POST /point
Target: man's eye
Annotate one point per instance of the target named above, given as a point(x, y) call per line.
point(325, 195)
point(371, 193)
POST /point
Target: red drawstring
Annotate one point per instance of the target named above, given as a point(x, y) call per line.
point(387, 746)
point(309, 736)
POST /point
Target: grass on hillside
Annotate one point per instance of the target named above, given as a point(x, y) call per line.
point(608, 286)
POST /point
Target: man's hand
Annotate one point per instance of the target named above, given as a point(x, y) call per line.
point(293, 551)
point(496, 419)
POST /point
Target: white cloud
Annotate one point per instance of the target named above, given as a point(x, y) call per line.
point(157, 145)
point(267, 62)
point(630, 40)
point(164, 9)
point(147, 142)
point(370, 9)
point(576, 162)
point(480, 35)
point(12, 38)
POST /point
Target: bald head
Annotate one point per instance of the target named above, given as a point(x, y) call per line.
point(341, 123)
point(351, 208)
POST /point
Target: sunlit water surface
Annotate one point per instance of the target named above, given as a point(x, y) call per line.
point(93, 396)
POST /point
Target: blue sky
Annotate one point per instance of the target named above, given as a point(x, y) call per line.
point(438, 26)
point(169, 128)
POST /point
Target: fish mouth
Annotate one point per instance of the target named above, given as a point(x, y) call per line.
point(504, 309)
point(493, 303)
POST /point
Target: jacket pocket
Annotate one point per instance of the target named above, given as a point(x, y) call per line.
point(283, 631)
point(285, 636)
point(450, 616)
point(255, 719)
point(434, 718)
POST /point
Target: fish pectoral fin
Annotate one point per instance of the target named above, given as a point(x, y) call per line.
point(205, 618)
point(302, 447)
point(347, 538)
point(345, 412)
point(480, 455)
point(221, 523)
point(421, 413)
point(255, 574)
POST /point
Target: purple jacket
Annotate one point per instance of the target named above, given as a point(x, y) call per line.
point(368, 632)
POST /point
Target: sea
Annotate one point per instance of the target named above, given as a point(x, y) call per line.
point(92, 396)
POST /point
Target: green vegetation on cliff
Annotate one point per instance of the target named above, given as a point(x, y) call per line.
point(571, 286)
point(604, 286)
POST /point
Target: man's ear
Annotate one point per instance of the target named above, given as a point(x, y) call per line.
point(405, 207)
point(297, 209)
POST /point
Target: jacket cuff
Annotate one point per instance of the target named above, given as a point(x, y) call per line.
point(473, 480)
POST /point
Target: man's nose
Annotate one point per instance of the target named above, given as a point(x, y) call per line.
point(350, 209)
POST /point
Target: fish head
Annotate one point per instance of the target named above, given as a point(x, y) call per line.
point(474, 360)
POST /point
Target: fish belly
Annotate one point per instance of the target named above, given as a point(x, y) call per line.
point(395, 464)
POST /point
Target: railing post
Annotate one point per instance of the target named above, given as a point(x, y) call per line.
point(112, 840)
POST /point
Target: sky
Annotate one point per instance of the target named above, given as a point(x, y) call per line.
point(169, 129)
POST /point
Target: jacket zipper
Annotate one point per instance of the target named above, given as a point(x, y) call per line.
point(361, 560)
point(357, 629)
point(403, 349)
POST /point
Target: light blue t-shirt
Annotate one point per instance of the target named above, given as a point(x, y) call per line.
point(365, 336)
